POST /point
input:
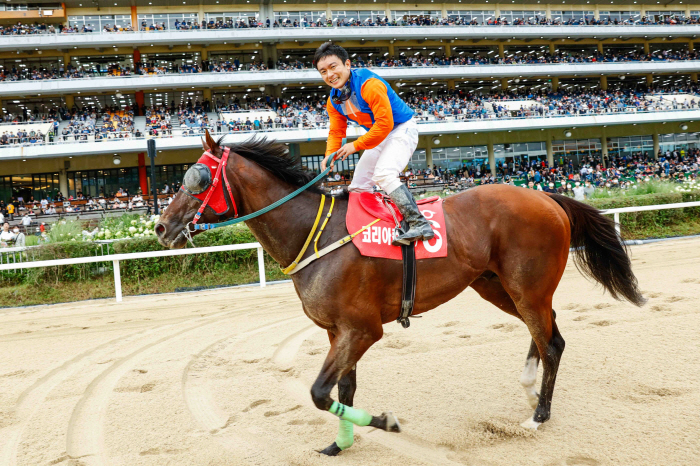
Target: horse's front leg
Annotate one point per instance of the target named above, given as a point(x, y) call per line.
point(347, 347)
point(346, 392)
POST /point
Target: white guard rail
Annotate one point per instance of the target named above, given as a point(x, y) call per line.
point(115, 258)
point(622, 210)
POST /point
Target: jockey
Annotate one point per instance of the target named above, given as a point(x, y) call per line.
point(391, 138)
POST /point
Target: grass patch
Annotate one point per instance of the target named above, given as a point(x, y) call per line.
point(103, 286)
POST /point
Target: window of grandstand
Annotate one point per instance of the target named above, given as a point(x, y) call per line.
point(29, 6)
point(469, 16)
point(299, 17)
point(577, 150)
point(230, 17)
point(344, 167)
point(566, 16)
point(107, 182)
point(528, 16)
point(30, 67)
point(361, 16)
point(664, 15)
point(630, 145)
point(106, 65)
point(39, 186)
point(671, 142)
point(159, 63)
point(96, 23)
point(167, 21)
point(243, 60)
point(411, 16)
point(620, 16)
point(695, 14)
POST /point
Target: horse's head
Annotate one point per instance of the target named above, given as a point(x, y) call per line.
point(198, 186)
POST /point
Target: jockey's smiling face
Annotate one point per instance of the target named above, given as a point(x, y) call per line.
point(334, 72)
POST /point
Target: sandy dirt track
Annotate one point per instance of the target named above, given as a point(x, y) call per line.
point(222, 378)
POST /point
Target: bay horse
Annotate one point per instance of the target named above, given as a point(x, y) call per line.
point(509, 244)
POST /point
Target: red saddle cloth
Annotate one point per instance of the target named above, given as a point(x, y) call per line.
point(375, 241)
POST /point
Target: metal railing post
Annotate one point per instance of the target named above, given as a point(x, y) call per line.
point(261, 267)
point(117, 281)
point(617, 222)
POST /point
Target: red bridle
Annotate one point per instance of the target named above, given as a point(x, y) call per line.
point(219, 201)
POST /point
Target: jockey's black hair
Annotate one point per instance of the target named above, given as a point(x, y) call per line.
point(275, 158)
point(329, 49)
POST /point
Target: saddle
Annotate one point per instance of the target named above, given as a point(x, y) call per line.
point(381, 218)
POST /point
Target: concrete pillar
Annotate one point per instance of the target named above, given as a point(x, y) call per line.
point(450, 84)
point(206, 94)
point(604, 146)
point(143, 176)
point(204, 54)
point(555, 84)
point(650, 80)
point(70, 101)
point(1, 108)
point(552, 48)
point(429, 156)
point(600, 47)
point(139, 97)
point(550, 150)
point(604, 83)
point(392, 51)
point(134, 18)
point(504, 84)
point(646, 47)
point(694, 77)
point(501, 51)
point(492, 158)
point(295, 152)
point(63, 181)
point(657, 146)
point(691, 46)
point(448, 51)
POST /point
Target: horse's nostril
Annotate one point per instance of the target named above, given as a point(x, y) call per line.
point(160, 229)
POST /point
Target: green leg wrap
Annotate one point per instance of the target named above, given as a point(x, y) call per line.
point(345, 436)
point(359, 417)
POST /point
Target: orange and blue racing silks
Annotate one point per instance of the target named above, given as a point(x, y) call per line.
point(373, 104)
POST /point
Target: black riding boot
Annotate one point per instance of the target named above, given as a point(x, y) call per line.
point(418, 227)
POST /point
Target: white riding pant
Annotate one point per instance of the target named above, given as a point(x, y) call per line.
point(382, 164)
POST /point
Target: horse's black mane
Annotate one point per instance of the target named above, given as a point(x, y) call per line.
point(275, 158)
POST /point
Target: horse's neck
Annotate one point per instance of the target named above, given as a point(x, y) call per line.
point(283, 230)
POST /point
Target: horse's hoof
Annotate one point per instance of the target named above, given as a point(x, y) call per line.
point(387, 422)
point(531, 423)
point(331, 450)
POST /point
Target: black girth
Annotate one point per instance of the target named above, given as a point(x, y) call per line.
point(408, 295)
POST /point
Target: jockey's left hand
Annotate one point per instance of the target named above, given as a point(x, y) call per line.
point(345, 151)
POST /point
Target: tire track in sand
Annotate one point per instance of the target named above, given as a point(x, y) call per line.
point(85, 433)
point(404, 444)
point(31, 400)
point(246, 446)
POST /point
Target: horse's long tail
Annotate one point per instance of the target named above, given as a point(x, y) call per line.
point(599, 251)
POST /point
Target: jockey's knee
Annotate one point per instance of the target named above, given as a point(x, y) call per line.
point(388, 182)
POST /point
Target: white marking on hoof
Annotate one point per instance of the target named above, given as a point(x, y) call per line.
point(528, 380)
point(531, 423)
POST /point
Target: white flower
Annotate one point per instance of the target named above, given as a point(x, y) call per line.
point(140, 229)
point(133, 222)
point(132, 230)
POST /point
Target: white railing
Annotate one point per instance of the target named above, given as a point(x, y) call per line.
point(616, 212)
point(115, 258)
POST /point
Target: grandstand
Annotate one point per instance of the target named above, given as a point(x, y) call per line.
point(494, 85)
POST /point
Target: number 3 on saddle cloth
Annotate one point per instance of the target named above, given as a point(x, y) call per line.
point(375, 241)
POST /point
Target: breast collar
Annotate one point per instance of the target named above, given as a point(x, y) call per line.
point(213, 197)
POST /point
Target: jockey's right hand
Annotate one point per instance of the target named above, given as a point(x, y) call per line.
point(324, 162)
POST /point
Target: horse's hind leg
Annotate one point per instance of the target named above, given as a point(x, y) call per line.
point(528, 379)
point(550, 345)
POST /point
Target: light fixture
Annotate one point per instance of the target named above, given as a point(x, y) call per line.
point(684, 127)
point(436, 141)
point(262, 88)
point(116, 160)
point(567, 133)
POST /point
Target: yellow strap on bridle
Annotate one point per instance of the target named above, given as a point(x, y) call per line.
point(308, 240)
point(320, 232)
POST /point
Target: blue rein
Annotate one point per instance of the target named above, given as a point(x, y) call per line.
point(274, 205)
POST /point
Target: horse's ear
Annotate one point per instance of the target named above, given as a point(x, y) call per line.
point(213, 146)
point(205, 146)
